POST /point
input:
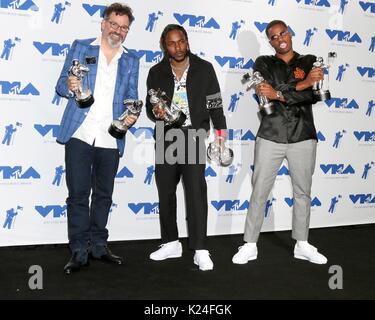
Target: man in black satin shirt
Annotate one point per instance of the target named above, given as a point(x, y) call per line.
point(289, 133)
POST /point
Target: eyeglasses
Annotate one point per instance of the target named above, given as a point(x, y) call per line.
point(115, 26)
point(281, 34)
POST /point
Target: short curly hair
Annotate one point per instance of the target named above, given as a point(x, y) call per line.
point(119, 9)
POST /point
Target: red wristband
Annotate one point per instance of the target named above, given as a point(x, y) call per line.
point(221, 133)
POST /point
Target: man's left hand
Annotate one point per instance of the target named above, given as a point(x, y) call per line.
point(130, 120)
point(265, 89)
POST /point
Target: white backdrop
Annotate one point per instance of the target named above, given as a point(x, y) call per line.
point(34, 39)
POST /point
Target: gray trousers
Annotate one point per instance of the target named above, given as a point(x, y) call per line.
point(268, 158)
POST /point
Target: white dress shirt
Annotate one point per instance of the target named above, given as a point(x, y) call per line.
point(100, 115)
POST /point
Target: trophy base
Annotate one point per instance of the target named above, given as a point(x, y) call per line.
point(180, 120)
point(228, 159)
point(322, 95)
point(117, 130)
point(267, 109)
point(86, 102)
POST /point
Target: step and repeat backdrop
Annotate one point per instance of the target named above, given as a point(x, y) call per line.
point(35, 37)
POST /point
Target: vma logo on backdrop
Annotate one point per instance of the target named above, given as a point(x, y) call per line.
point(47, 129)
point(342, 103)
point(365, 136)
point(230, 205)
point(53, 211)
point(366, 71)
point(148, 55)
point(25, 5)
point(240, 135)
point(17, 88)
point(261, 26)
point(316, 3)
point(234, 62)
point(343, 36)
point(362, 199)
point(144, 207)
point(315, 202)
point(94, 9)
point(367, 6)
point(337, 169)
point(18, 173)
point(54, 49)
point(196, 21)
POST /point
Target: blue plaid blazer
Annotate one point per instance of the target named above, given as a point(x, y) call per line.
point(126, 87)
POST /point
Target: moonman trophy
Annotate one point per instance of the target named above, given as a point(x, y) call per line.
point(265, 106)
point(83, 94)
point(173, 118)
point(321, 87)
point(118, 128)
point(220, 154)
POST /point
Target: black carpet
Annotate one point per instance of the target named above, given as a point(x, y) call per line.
point(274, 275)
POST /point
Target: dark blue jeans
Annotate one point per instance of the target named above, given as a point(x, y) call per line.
point(89, 169)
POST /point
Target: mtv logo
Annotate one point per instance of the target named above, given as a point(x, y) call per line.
point(367, 136)
point(230, 205)
point(366, 70)
point(196, 21)
point(93, 9)
point(145, 207)
point(234, 62)
point(46, 129)
point(337, 169)
point(57, 211)
point(365, 5)
point(16, 88)
point(150, 56)
point(16, 173)
point(19, 5)
point(56, 49)
point(341, 36)
point(124, 172)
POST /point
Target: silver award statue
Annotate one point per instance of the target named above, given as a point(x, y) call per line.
point(118, 128)
point(221, 155)
point(83, 94)
point(173, 117)
point(321, 87)
point(266, 107)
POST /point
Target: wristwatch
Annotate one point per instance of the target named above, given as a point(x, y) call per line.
point(279, 95)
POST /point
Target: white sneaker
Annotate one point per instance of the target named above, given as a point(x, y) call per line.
point(167, 250)
point(308, 252)
point(247, 252)
point(202, 260)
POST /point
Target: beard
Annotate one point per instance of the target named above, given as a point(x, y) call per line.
point(114, 43)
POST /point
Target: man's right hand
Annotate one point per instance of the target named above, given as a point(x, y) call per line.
point(159, 112)
point(73, 83)
point(314, 75)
